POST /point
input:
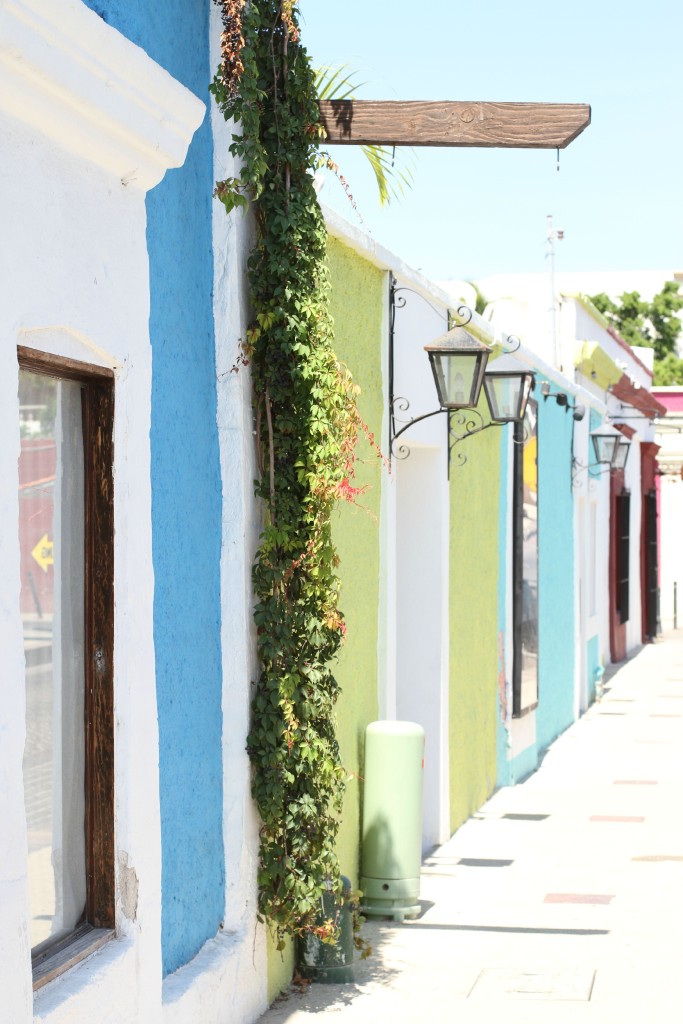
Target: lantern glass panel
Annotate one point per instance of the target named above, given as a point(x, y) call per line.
point(507, 395)
point(604, 445)
point(621, 454)
point(458, 378)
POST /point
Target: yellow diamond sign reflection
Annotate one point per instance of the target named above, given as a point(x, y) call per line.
point(42, 552)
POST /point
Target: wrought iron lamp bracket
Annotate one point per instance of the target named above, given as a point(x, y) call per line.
point(398, 404)
point(594, 469)
point(402, 451)
point(467, 425)
point(460, 423)
point(578, 411)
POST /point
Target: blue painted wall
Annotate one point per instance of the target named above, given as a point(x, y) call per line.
point(523, 765)
point(186, 493)
point(556, 652)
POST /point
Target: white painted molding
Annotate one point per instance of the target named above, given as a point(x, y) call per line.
point(67, 341)
point(66, 73)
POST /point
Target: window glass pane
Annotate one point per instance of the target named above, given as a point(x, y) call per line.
point(530, 561)
point(51, 524)
point(525, 561)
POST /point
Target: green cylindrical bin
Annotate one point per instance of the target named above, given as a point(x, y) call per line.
point(392, 819)
point(329, 962)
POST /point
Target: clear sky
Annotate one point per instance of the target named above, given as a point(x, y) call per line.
point(471, 213)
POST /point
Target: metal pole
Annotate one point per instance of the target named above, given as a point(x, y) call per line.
point(550, 256)
point(675, 605)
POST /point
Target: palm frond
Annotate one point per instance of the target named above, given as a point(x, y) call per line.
point(392, 169)
point(392, 177)
point(336, 83)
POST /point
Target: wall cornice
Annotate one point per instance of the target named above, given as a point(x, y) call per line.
point(66, 73)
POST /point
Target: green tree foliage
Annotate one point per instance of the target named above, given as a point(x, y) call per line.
point(668, 370)
point(653, 324)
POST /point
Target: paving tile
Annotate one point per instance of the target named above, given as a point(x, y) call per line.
point(635, 782)
point(594, 899)
point(484, 862)
point(659, 858)
point(525, 817)
point(433, 862)
point(632, 818)
point(506, 944)
point(574, 984)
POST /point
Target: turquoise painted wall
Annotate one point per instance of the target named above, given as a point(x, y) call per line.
point(556, 655)
point(556, 652)
point(592, 666)
point(186, 493)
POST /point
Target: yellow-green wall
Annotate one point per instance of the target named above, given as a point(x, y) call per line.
point(359, 299)
point(358, 302)
point(474, 555)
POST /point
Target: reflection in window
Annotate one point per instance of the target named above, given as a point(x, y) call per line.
point(623, 514)
point(525, 563)
point(51, 504)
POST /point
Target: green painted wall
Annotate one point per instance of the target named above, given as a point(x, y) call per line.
point(359, 298)
point(280, 967)
point(474, 555)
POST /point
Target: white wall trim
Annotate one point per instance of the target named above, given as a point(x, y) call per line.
point(66, 73)
point(78, 104)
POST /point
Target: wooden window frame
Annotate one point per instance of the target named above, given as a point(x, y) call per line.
point(98, 447)
point(651, 566)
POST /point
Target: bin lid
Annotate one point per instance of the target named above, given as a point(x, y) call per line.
point(391, 728)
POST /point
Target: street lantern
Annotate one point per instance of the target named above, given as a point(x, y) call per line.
point(606, 442)
point(458, 362)
point(621, 453)
point(507, 392)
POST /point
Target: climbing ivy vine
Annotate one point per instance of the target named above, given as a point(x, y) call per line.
point(307, 427)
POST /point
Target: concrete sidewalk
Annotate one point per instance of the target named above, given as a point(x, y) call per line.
point(562, 899)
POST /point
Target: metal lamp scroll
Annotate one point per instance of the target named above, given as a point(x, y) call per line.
point(459, 364)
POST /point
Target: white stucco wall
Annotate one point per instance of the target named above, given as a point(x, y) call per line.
point(671, 551)
point(591, 564)
point(88, 123)
point(670, 462)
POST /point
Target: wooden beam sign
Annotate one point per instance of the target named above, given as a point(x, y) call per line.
point(417, 123)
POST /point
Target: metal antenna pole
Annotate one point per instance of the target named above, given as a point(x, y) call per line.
point(550, 256)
